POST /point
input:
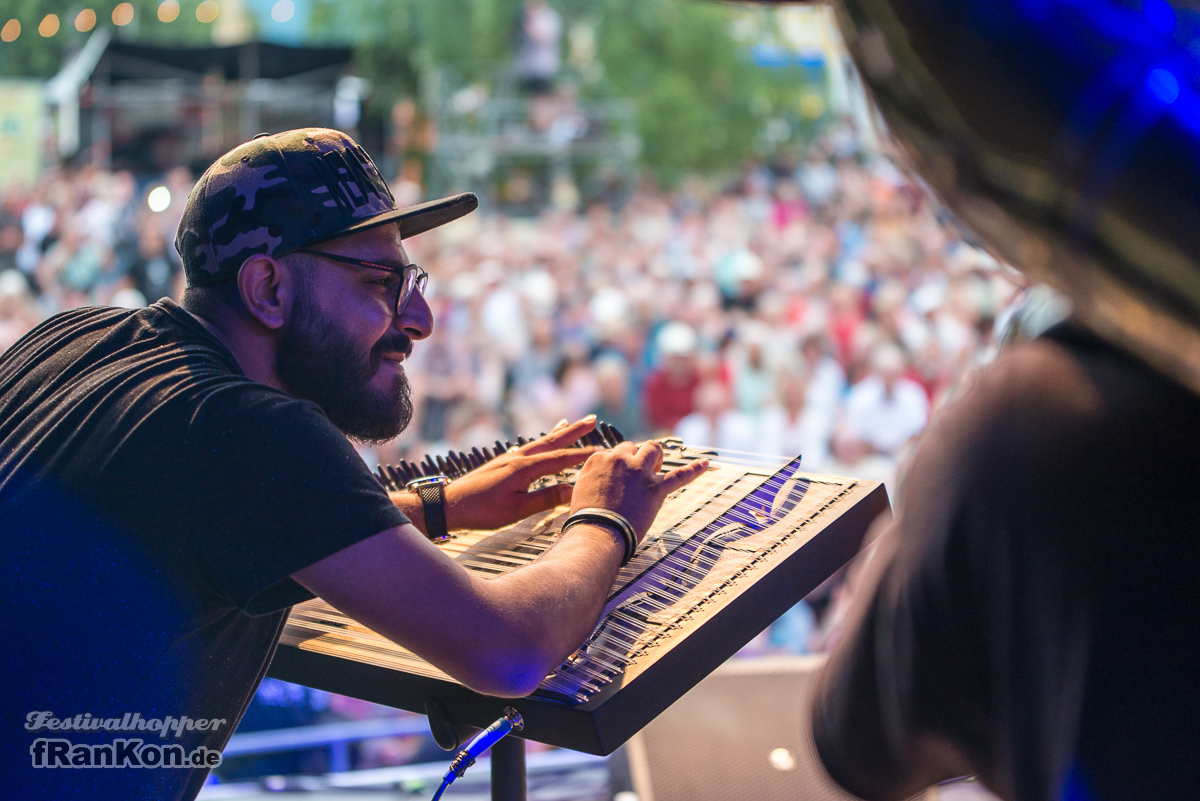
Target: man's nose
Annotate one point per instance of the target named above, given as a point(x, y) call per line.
point(416, 321)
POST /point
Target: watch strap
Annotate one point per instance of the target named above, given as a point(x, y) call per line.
point(431, 491)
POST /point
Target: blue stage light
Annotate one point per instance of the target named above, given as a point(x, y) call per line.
point(1163, 85)
point(1160, 15)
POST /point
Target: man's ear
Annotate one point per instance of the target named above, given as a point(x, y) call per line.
point(266, 287)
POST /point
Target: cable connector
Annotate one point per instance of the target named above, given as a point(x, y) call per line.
point(512, 721)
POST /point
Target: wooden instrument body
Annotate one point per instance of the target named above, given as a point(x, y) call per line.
point(720, 595)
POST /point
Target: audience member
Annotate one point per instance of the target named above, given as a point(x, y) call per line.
point(883, 411)
point(671, 388)
point(716, 422)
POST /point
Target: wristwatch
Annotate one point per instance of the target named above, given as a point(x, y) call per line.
point(431, 491)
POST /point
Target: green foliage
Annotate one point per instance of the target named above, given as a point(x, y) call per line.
point(701, 102)
point(35, 56)
point(395, 41)
point(32, 55)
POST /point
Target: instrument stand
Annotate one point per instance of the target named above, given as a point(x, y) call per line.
point(508, 770)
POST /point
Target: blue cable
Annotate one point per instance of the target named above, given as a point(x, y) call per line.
point(479, 744)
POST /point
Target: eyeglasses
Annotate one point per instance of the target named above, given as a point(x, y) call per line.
point(412, 277)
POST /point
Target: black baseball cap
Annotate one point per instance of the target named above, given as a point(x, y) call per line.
point(281, 192)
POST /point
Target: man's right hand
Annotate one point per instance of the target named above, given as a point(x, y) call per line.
point(626, 480)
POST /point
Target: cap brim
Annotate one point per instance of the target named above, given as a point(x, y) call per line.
point(413, 219)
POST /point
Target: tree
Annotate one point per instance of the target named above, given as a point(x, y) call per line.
point(701, 101)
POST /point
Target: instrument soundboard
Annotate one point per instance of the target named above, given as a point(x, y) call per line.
point(727, 555)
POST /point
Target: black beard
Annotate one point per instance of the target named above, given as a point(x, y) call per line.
point(317, 362)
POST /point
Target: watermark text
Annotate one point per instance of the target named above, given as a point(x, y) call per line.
point(45, 721)
point(56, 752)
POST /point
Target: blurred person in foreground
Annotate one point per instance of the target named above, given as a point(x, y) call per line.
point(174, 478)
point(1031, 614)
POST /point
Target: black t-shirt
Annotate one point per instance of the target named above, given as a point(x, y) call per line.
point(153, 503)
point(1035, 608)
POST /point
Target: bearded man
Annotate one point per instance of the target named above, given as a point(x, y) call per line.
point(174, 478)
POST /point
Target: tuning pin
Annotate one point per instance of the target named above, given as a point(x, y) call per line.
point(392, 475)
point(477, 457)
point(500, 448)
point(521, 441)
point(603, 435)
point(614, 436)
point(607, 431)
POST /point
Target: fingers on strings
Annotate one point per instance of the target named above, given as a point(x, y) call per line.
point(682, 476)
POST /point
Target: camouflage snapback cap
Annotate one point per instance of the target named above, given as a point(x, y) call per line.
point(280, 192)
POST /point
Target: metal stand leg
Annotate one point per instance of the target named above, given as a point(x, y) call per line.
point(508, 770)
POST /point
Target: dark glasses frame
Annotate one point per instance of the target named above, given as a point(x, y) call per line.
point(413, 278)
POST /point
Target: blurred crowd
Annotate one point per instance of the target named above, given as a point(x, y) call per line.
point(87, 237)
point(820, 310)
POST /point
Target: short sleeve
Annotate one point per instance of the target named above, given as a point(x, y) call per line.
point(275, 487)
